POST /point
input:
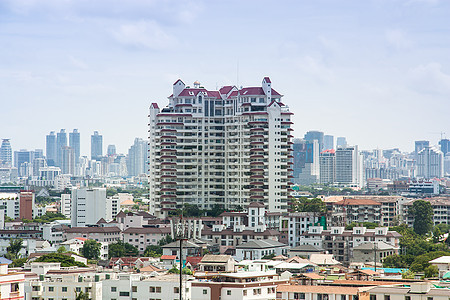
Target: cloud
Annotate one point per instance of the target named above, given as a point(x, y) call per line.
point(315, 68)
point(144, 34)
point(398, 39)
point(78, 63)
point(430, 79)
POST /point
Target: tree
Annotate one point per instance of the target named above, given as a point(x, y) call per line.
point(18, 262)
point(165, 240)
point(421, 262)
point(153, 251)
point(368, 225)
point(65, 260)
point(81, 296)
point(408, 274)
point(15, 245)
point(91, 249)
point(120, 249)
point(61, 249)
point(431, 271)
point(304, 204)
point(423, 216)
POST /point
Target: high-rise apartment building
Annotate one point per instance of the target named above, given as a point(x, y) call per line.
point(137, 162)
point(50, 149)
point(327, 161)
point(315, 135)
point(74, 143)
point(305, 162)
point(6, 153)
point(419, 145)
point(111, 150)
point(349, 166)
point(430, 163)
point(445, 146)
point(341, 141)
point(68, 160)
point(328, 142)
point(96, 146)
point(61, 142)
point(23, 159)
point(90, 205)
point(228, 147)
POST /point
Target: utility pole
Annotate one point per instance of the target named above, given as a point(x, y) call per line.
point(375, 255)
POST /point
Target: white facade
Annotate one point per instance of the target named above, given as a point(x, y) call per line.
point(430, 163)
point(11, 283)
point(226, 147)
point(90, 205)
point(327, 162)
point(349, 166)
point(11, 204)
point(65, 205)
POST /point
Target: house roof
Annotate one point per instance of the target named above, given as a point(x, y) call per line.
point(92, 229)
point(323, 259)
point(306, 248)
point(357, 202)
point(441, 260)
point(147, 230)
point(260, 244)
point(316, 289)
point(5, 261)
point(256, 204)
point(167, 257)
point(312, 276)
point(193, 260)
point(215, 258)
point(186, 244)
point(150, 268)
point(371, 245)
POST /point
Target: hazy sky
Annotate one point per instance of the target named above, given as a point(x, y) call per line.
point(377, 72)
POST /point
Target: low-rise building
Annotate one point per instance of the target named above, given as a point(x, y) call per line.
point(257, 249)
point(11, 283)
point(99, 234)
point(76, 245)
point(414, 291)
point(141, 237)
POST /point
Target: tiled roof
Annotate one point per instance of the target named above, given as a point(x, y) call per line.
point(147, 230)
point(215, 258)
point(92, 229)
point(315, 289)
point(168, 257)
point(260, 244)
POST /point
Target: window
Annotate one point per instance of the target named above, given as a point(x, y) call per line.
point(176, 290)
point(124, 294)
point(244, 292)
point(51, 288)
point(229, 292)
point(429, 298)
point(387, 297)
point(78, 289)
point(373, 297)
point(343, 297)
point(64, 289)
point(406, 298)
point(134, 289)
point(205, 292)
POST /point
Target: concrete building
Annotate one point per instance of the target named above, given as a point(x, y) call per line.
point(316, 135)
point(444, 145)
point(419, 145)
point(90, 205)
point(144, 236)
point(61, 142)
point(96, 146)
point(441, 211)
point(137, 161)
point(99, 234)
point(430, 163)
point(328, 142)
point(327, 166)
point(18, 205)
point(11, 282)
point(349, 166)
point(74, 143)
point(373, 251)
point(341, 141)
point(6, 153)
point(50, 149)
point(65, 205)
point(67, 160)
point(227, 147)
point(257, 249)
point(306, 169)
point(414, 290)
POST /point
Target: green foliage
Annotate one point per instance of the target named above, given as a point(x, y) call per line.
point(304, 204)
point(18, 262)
point(408, 274)
point(165, 240)
point(120, 249)
point(173, 270)
point(92, 261)
point(268, 256)
point(187, 271)
point(91, 249)
point(421, 262)
point(443, 228)
point(49, 217)
point(153, 251)
point(423, 216)
point(65, 260)
point(431, 271)
point(368, 225)
point(61, 249)
point(81, 296)
point(15, 245)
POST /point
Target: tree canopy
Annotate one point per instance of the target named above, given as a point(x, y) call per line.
point(91, 249)
point(304, 204)
point(65, 260)
point(121, 249)
point(423, 216)
point(12, 251)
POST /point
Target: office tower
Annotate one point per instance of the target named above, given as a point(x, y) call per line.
point(111, 150)
point(65, 205)
point(67, 160)
point(6, 153)
point(96, 146)
point(61, 142)
point(349, 166)
point(305, 162)
point(328, 142)
point(90, 205)
point(341, 141)
point(38, 163)
point(50, 149)
point(26, 204)
point(315, 135)
point(22, 161)
point(228, 147)
point(74, 143)
point(445, 146)
point(327, 164)
point(137, 162)
point(419, 145)
point(430, 163)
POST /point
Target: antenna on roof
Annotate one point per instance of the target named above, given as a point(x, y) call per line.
point(237, 73)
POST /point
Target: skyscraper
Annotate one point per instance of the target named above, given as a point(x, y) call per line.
point(6, 153)
point(306, 162)
point(137, 162)
point(327, 162)
point(430, 163)
point(227, 147)
point(96, 146)
point(445, 146)
point(111, 150)
point(74, 143)
point(61, 142)
point(315, 135)
point(349, 166)
point(50, 149)
point(328, 142)
point(419, 145)
point(341, 141)
point(67, 160)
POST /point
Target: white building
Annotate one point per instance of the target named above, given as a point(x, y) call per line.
point(11, 283)
point(90, 205)
point(349, 166)
point(76, 245)
point(327, 162)
point(257, 249)
point(227, 147)
point(65, 205)
point(430, 163)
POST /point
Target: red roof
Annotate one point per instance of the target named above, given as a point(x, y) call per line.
point(331, 151)
point(154, 105)
point(226, 89)
point(193, 260)
point(267, 79)
point(172, 257)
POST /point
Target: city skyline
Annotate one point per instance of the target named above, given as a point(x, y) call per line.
point(374, 72)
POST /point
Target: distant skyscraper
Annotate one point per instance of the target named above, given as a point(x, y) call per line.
point(419, 145)
point(6, 153)
point(61, 142)
point(111, 150)
point(67, 160)
point(315, 135)
point(430, 163)
point(328, 142)
point(50, 149)
point(96, 146)
point(137, 158)
point(445, 146)
point(341, 141)
point(74, 143)
point(38, 163)
point(349, 166)
point(306, 161)
point(327, 163)
point(22, 161)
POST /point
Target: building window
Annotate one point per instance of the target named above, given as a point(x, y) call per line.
point(51, 288)
point(387, 297)
point(373, 297)
point(134, 289)
point(205, 292)
point(406, 298)
point(64, 289)
point(78, 289)
point(176, 290)
point(113, 289)
point(344, 297)
point(229, 292)
point(124, 294)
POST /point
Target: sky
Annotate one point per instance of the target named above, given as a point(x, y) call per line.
point(376, 72)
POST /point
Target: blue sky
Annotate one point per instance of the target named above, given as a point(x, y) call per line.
point(377, 72)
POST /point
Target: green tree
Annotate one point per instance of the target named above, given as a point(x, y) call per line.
point(65, 260)
point(368, 225)
point(437, 235)
point(18, 262)
point(153, 251)
point(81, 296)
point(120, 249)
point(423, 216)
point(61, 249)
point(91, 249)
point(165, 240)
point(408, 274)
point(15, 245)
point(304, 204)
point(431, 271)
point(421, 262)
